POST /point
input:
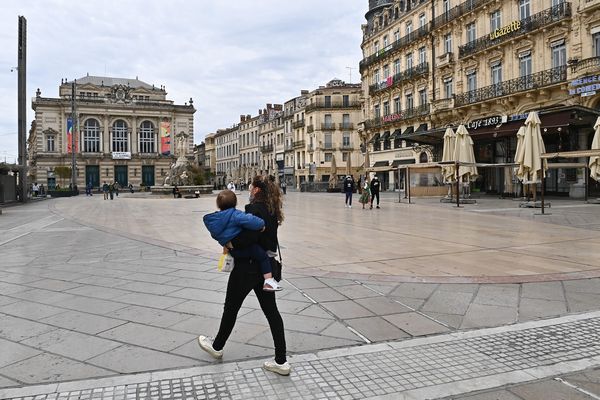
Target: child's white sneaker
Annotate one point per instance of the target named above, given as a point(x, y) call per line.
point(271, 285)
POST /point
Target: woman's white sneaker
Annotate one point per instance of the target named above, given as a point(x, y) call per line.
point(281, 369)
point(206, 343)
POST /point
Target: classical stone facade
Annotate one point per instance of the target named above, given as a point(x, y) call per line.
point(227, 155)
point(125, 131)
point(270, 137)
point(485, 63)
point(249, 149)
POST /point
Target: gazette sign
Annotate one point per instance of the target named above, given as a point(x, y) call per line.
point(512, 27)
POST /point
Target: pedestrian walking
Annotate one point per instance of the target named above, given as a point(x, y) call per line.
point(117, 188)
point(284, 187)
point(130, 188)
point(35, 189)
point(266, 204)
point(176, 192)
point(365, 196)
point(105, 190)
point(375, 186)
point(349, 187)
point(88, 189)
point(111, 190)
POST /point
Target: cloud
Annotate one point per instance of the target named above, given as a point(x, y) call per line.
point(230, 57)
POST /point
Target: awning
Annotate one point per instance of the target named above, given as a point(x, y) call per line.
point(408, 130)
point(396, 134)
point(551, 120)
point(432, 136)
point(422, 128)
point(381, 164)
point(374, 138)
point(385, 135)
point(395, 163)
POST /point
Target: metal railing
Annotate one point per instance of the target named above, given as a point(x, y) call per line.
point(345, 125)
point(592, 62)
point(521, 84)
point(394, 47)
point(266, 148)
point(298, 144)
point(298, 124)
point(458, 11)
point(517, 28)
point(348, 146)
point(328, 126)
point(327, 146)
point(401, 116)
point(333, 104)
point(406, 75)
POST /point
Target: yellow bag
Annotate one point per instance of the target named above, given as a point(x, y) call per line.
point(226, 263)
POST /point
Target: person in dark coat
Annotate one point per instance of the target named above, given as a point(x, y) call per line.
point(375, 186)
point(349, 187)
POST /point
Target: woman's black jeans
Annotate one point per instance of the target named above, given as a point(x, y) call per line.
point(246, 277)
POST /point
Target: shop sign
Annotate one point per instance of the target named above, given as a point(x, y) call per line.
point(512, 27)
point(121, 155)
point(586, 86)
point(489, 121)
point(392, 117)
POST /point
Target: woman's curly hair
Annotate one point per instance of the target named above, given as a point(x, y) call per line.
point(270, 195)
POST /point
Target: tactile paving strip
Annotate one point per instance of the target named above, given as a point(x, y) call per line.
point(379, 373)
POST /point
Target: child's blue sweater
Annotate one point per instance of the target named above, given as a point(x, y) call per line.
point(225, 225)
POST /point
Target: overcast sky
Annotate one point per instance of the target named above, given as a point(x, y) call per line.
point(231, 57)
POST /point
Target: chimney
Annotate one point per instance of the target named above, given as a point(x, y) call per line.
point(269, 106)
point(242, 118)
point(259, 112)
point(278, 107)
point(304, 92)
point(248, 117)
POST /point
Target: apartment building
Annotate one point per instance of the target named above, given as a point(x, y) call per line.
point(249, 148)
point(270, 137)
point(227, 155)
point(484, 63)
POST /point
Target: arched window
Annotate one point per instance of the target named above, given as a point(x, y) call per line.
point(91, 136)
point(146, 135)
point(119, 136)
point(423, 158)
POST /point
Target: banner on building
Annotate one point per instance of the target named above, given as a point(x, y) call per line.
point(70, 131)
point(165, 138)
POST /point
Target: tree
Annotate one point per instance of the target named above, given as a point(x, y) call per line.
point(63, 173)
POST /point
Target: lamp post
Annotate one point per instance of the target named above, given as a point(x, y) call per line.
point(74, 131)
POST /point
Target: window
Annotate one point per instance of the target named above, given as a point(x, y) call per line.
point(376, 47)
point(471, 32)
point(496, 70)
point(525, 64)
point(408, 28)
point(376, 111)
point(446, 6)
point(328, 157)
point(409, 61)
point(422, 21)
point(386, 72)
point(91, 136)
point(471, 81)
point(346, 121)
point(386, 108)
point(524, 9)
point(397, 105)
point(385, 42)
point(119, 136)
point(50, 140)
point(146, 136)
point(346, 100)
point(596, 44)
point(376, 77)
point(448, 88)
point(495, 20)
point(396, 36)
point(328, 141)
point(397, 65)
point(327, 101)
point(344, 156)
point(559, 54)
point(422, 97)
point(448, 43)
point(346, 140)
point(556, 3)
point(409, 101)
point(328, 121)
point(422, 55)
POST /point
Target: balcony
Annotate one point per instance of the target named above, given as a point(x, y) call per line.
point(522, 84)
point(442, 105)
point(310, 128)
point(346, 147)
point(394, 47)
point(332, 105)
point(289, 146)
point(328, 146)
point(393, 81)
point(458, 11)
point(401, 116)
point(345, 126)
point(588, 65)
point(299, 144)
point(445, 59)
point(328, 126)
point(298, 124)
point(589, 6)
point(268, 148)
point(517, 28)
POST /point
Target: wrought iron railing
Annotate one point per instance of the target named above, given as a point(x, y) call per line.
point(393, 81)
point(592, 62)
point(328, 126)
point(333, 104)
point(458, 11)
point(394, 47)
point(298, 144)
point(298, 124)
point(521, 84)
point(517, 28)
point(401, 116)
point(266, 148)
point(345, 125)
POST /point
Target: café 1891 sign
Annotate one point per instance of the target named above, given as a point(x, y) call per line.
point(586, 86)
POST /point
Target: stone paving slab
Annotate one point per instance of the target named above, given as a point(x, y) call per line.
point(447, 365)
